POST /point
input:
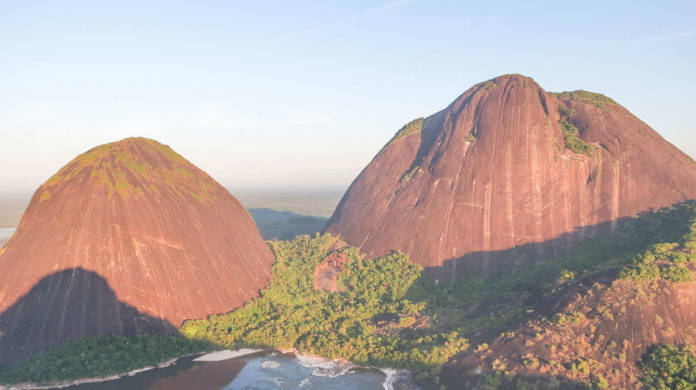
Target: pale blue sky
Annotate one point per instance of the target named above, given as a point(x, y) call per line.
point(300, 93)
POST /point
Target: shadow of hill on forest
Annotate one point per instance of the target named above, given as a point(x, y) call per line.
point(519, 256)
point(285, 225)
point(68, 305)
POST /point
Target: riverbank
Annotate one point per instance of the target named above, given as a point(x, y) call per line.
point(207, 357)
point(75, 382)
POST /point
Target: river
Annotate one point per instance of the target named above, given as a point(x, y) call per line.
point(256, 371)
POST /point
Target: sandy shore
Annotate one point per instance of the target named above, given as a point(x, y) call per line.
point(227, 354)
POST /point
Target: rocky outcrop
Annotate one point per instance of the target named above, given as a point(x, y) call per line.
point(509, 174)
point(326, 273)
point(127, 238)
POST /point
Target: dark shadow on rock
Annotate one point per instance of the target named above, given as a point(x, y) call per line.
point(496, 265)
point(506, 260)
point(68, 305)
point(521, 256)
point(285, 225)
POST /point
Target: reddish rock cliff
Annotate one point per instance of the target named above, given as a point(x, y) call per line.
point(509, 174)
point(127, 238)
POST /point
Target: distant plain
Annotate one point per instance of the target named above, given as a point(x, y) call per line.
point(279, 213)
point(283, 214)
point(12, 206)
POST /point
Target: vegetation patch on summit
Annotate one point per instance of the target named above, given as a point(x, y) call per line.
point(413, 127)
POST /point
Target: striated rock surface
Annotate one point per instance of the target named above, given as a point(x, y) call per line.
point(509, 174)
point(127, 238)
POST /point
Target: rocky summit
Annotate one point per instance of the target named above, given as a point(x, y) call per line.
point(507, 175)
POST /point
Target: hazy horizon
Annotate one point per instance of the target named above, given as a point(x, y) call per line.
point(303, 95)
point(302, 201)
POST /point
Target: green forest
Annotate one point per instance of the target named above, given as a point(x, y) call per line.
point(100, 356)
point(368, 321)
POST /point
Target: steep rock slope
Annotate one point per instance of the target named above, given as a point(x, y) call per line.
point(509, 174)
point(127, 238)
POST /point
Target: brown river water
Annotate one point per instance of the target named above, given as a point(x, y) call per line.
point(259, 371)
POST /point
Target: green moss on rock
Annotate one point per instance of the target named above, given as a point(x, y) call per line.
point(412, 127)
point(125, 166)
point(490, 84)
point(473, 134)
point(596, 99)
point(45, 196)
point(407, 176)
point(571, 134)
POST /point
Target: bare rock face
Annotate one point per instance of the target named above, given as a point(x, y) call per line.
point(326, 273)
point(509, 174)
point(127, 238)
